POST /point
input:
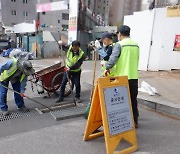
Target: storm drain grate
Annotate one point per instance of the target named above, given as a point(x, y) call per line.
point(68, 112)
point(17, 114)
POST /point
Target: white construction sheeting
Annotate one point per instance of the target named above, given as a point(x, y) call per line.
point(154, 27)
point(162, 56)
point(141, 28)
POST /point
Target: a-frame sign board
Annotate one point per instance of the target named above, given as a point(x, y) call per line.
point(111, 108)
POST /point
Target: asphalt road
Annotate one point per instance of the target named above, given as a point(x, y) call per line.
point(41, 134)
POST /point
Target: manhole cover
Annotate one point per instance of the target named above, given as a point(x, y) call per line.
point(17, 114)
point(68, 112)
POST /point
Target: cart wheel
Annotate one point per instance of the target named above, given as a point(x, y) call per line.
point(56, 84)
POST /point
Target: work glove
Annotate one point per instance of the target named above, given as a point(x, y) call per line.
point(103, 63)
point(97, 44)
point(66, 69)
point(60, 42)
point(106, 72)
point(22, 95)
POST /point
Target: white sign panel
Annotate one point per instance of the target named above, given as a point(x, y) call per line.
point(62, 5)
point(118, 109)
point(73, 19)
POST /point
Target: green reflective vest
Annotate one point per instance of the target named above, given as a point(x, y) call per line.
point(8, 73)
point(127, 64)
point(112, 70)
point(71, 60)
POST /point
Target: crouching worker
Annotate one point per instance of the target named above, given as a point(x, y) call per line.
point(74, 59)
point(16, 72)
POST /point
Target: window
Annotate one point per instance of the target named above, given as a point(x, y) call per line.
point(13, 12)
point(25, 13)
point(25, 1)
point(65, 16)
point(59, 21)
point(13, 0)
point(64, 27)
point(43, 13)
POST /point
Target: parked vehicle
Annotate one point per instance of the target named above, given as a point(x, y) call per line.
point(4, 45)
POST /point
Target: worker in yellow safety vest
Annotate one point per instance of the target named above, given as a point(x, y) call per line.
point(105, 51)
point(125, 56)
point(16, 72)
point(74, 59)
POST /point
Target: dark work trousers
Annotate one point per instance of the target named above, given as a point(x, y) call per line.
point(133, 86)
point(75, 78)
point(3, 95)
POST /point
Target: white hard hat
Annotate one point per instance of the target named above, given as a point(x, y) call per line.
point(26, 67)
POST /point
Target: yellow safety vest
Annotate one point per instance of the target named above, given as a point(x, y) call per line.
point(127, 64)
point(71, 60)
point(8, 73)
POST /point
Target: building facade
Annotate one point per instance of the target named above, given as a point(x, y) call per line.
point(102, 9)
point(87, 19)
point(54, 21)
point(17, 11)
point(116, 12)
point(13, 12)
point(148, 4)
point(120, 8)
